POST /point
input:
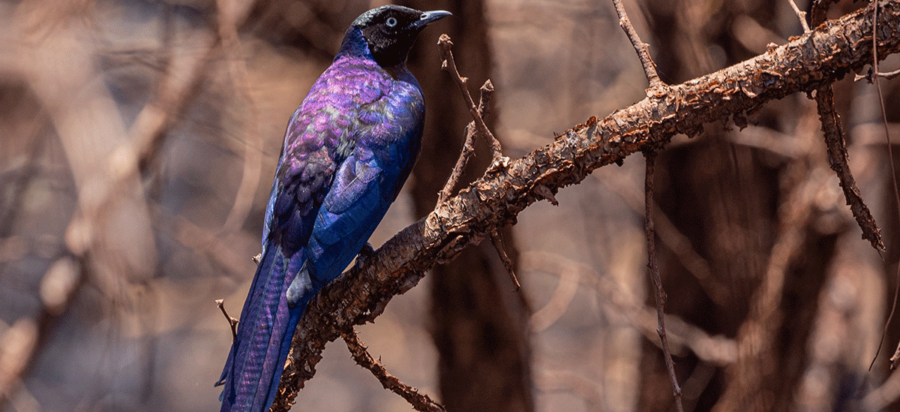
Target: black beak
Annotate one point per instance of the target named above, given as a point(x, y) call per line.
point(430, 17)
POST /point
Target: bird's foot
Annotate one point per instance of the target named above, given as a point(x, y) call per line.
point(364, 254)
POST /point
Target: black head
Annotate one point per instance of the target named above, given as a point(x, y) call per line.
point(391, 31)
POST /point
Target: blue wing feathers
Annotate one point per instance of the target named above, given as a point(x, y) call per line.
point(347, 152)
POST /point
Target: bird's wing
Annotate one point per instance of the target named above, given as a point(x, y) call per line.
point(304, 176)
point(367, 181)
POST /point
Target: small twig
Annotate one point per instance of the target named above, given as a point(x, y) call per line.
point(498, 244)
point(449, 65)
point(231, 321)
point(890, 75)
point(837, 158)
point(887, 136)
point(419, 402)
point(650, 156)
point(487, 91)
point(642, 50)
point(476, 127)
point(870, 76)
point(801, 15)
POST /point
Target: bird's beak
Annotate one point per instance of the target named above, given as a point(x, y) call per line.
point(430, 17)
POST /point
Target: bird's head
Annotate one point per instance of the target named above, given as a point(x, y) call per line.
point(390, 31)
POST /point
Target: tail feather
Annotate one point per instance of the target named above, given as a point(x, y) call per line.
point(256, 361)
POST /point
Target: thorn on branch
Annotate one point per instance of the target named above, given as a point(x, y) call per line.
point(419, 402)
point(546, 193)
point(231, 321)
point(497, 241)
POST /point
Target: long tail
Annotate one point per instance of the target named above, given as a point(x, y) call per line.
point(256, 360)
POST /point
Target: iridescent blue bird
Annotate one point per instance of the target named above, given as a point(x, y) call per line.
point(347, 151)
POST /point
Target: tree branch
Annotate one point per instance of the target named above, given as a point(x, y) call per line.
point(819, 57)
point(418, 401)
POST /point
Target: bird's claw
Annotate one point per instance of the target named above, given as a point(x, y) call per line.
point(364, 254)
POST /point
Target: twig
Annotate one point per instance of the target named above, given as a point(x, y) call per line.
point(889, 75)
point(801, 15)
point(680, 244)
point(656, 88)
point(870, 75)
point(836, 144)
point(419, 402)
point(477, 127)
point(653, 265)
point(231, 321)
point(449, 65)
point(887, 136)
point(498, 244)
point(487, 91)
point(837, 158)
point(642, 50)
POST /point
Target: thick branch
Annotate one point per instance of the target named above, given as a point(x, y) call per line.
point(822, 56)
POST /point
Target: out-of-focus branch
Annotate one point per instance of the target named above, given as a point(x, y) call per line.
point(822, 56)
point(21, 342)
point(615, 300)
point(757, 338)
point(111, 234)
point(243, 200)
point(676, 241)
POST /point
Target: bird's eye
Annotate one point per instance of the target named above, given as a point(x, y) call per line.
point(391, 22)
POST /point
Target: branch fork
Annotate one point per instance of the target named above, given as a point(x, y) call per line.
point(475, 128)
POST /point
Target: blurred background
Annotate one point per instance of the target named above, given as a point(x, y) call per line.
point(138, 140)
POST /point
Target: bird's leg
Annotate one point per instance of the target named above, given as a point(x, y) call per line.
point(364, 254)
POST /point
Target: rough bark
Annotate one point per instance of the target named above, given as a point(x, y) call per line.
point(479, 323)
point(820, 57)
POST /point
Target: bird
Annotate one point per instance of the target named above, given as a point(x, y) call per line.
point(347, 151)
